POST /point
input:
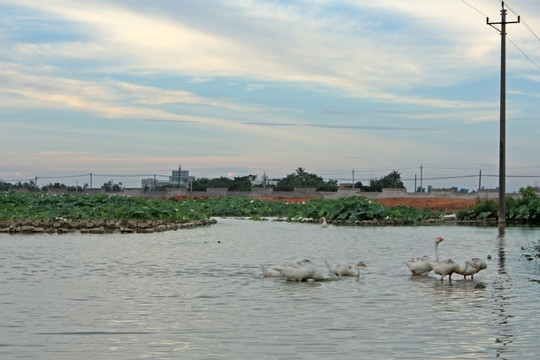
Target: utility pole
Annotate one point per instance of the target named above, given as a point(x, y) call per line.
point(353, 178)
point(421, 188)
point(480, 180)
point(179, 171)
point(502, 136)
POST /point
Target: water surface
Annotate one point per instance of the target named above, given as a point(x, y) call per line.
point(200, 294)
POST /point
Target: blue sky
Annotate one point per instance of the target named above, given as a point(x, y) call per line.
point(238, 87)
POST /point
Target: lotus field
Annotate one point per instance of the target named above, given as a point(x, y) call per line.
point(19, 205)
point(350, 210)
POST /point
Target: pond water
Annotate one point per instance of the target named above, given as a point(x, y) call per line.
point(200, 294)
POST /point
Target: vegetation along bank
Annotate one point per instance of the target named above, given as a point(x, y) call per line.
point(31, 212)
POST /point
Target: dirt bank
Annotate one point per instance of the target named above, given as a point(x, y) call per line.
point(447, 204)
point(32, 226)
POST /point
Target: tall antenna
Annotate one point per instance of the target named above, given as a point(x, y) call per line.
point(179, 171)
point(502, 136)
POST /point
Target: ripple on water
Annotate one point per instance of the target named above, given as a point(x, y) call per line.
point(183, 294)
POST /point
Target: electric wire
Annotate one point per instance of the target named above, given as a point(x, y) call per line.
point(521, 22)
point(472, 7)
point(523, 52)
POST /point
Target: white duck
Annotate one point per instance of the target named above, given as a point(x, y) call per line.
point(308, 271)
point(420, 265)
point(324, 224)
point(297, 274)
point(273, 271)
point(319, 273)
point(444, 267)
point(345, 270)
point(471, 267)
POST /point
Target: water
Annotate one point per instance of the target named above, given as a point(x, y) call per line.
point(200, 294)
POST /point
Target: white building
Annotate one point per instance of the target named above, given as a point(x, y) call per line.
point(179, 178)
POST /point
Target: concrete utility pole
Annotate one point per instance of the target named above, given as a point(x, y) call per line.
point(502, 136)
point(421, 188)
point(480, 180)
point(179, 171)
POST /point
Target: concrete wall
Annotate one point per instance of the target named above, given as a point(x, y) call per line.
point(306, 193)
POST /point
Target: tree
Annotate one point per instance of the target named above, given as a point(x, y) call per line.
point(330, 185)
point(392, 180)
point(30, 186)
point(358, 185)
point(220, 182)
point(241, 183)
point(109, 186)
point(200, 184)
point(303, 179)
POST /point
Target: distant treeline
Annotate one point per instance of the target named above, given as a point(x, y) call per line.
point(298, 179)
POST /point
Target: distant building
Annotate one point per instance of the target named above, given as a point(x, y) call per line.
point(179, 178)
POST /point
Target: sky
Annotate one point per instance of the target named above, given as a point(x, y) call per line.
point(345, 89)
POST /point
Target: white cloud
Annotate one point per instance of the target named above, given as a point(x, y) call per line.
point(283, 44)
point(211, 71)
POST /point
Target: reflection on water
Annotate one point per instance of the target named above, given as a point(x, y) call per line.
point(502, 286)
point(501, 249)
point(200, 294)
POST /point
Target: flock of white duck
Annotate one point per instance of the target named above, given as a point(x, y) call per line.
point(306, 270)
point(423, 265)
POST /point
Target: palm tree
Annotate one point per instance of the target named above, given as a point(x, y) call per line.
point(301, 172)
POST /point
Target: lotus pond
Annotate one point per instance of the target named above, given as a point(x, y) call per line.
point(200, 294)
point(107, 207)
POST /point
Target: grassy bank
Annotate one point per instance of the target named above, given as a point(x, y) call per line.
point(350, 210)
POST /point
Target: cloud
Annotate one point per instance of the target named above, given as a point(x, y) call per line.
point(115, 100)
point(352, 55)
point(254, 87)
point(257, 84)
point(78, 93)
point(343, 126)
point(62, 153)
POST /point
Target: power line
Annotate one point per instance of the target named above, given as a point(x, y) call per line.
point(475, 9)
point(521, 21)
point(523, 52)
point(61, 177)
point(524, 23)
point(123, 175)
